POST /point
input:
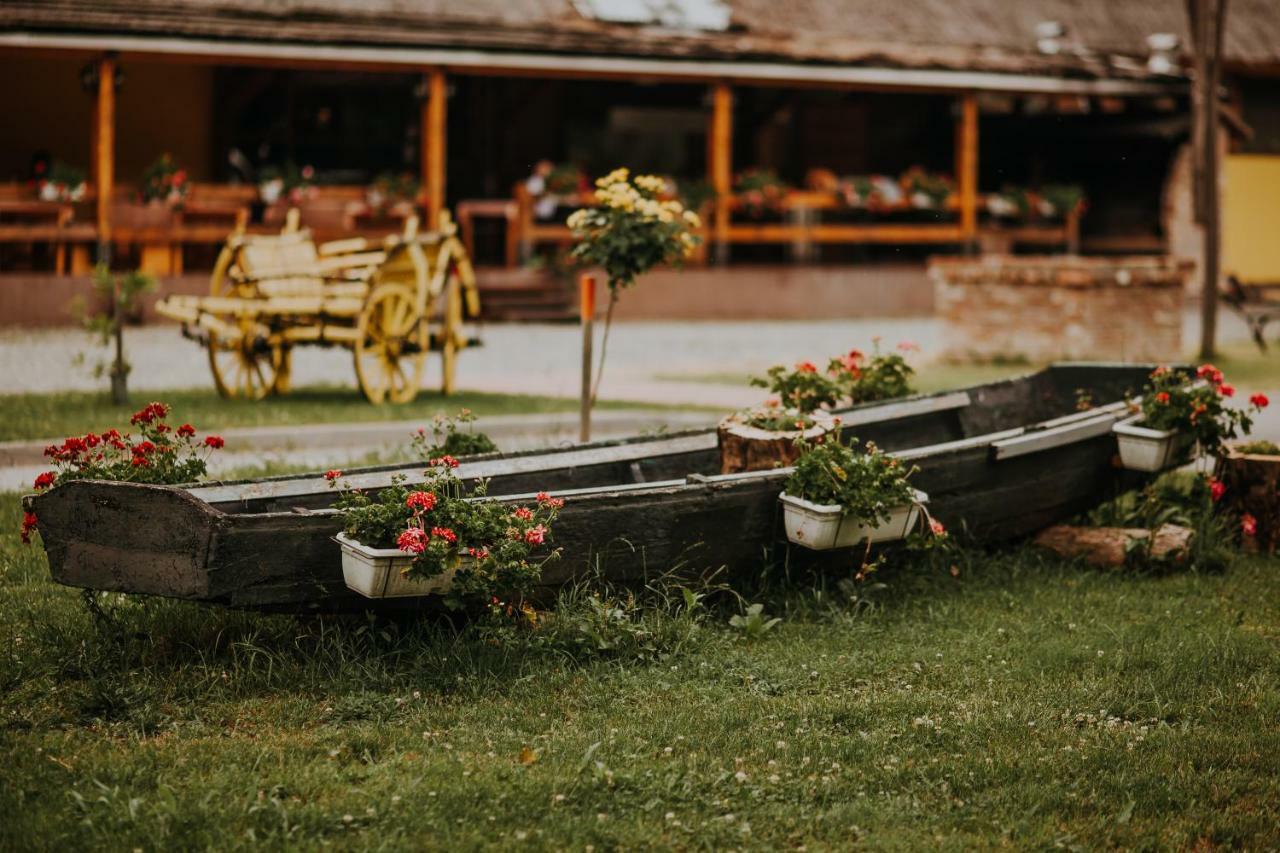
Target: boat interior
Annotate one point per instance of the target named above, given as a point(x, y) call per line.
point(1057, 405)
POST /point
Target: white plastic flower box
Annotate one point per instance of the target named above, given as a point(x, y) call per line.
point(1145, 449)
point(822, 527)
point(379, 572)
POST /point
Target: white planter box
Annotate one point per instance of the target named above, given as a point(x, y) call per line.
point(1143, 449)
point(823, 527)
point(379, 572)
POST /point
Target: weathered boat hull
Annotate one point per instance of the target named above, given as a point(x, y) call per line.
point(632, 508)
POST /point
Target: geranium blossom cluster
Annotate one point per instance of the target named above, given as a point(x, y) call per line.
point(159, 453)
point(1196, 404)
point(633, 227)
point(488, 546)
point(851, 378)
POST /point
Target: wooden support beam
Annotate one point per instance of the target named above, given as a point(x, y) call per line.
point(434, 127)
point(967, 165)
point(720, 165)
point(104, 156)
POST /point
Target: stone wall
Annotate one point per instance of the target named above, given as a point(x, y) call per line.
point(1060, 308)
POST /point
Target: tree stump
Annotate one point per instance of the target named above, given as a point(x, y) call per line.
point(1253, 487)
point(747, 448)
point(1111, 546)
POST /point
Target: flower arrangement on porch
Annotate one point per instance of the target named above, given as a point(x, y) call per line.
point(391, 191)
point(1051, 202)
point(631, 229)
point(554, 185)
point(165, 181)
point(926, 190)
point(290, 181)
point(62, 183)
point(838, 496)
point(1179, 413)
point(760, 191)
point(159, 454)
point(435, 538)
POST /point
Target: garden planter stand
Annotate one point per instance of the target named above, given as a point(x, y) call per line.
point(823, 527)
point(1143, 449)
point(747, 448)
point(378, 572)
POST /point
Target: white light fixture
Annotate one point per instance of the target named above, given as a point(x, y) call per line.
point(1164, 56)
point(675, 14)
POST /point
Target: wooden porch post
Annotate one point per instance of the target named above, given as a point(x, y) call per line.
point(720, 165)
point(967, 166)
point(433, 145)
point(104, 157)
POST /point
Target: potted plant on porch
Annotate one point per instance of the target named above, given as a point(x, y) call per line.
point(1180, 415)
point(838, 497)
point(434, 538)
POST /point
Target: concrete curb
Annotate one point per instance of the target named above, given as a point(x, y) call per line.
point(552, 426)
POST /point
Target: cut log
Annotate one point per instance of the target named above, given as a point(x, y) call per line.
point(1112, 546)
point(1252, 483)
point(748, 448)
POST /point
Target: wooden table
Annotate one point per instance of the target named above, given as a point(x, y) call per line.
point(505, 209)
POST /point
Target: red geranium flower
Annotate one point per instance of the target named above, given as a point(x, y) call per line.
point(445, 533)
point(806, 367)
point(545, 499)
point(479, 554)
point(28, 526)
point(1248, 525)
point(1227, 390)
point(186, 430)
point(936, 528)
point(332, 475)
point(536, 536)
point(523, 513)
point(45, 480)
point(413, 540)
point(214, 441)
point(1260, 400)
point(1217, 489)
point(447, 461)
point(420, 500)
point(1162, 397)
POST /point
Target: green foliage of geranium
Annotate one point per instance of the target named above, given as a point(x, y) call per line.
point(164, 180)
point(867, 484)
point(448, 438)
point(882, 376)
point(492, 548)
point(801, 388)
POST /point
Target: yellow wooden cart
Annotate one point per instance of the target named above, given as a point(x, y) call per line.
point(390, 304)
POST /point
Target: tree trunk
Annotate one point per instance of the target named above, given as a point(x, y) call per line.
point(747, 448)
point(1253, 487)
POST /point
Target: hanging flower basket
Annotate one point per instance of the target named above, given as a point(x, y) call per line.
point(380, 572)
point(822, 527)
point(1144, 449)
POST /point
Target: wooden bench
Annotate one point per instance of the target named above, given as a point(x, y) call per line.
point(1256, 303)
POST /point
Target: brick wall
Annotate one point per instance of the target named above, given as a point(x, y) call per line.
point(1060, 308)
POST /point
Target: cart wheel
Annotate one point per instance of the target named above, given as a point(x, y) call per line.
point(450, 332)
point(391, 345)
point(249, 368)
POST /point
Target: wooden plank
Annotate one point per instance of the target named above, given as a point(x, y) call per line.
point(888, 411)
point(1045, 439)
point(777, 232)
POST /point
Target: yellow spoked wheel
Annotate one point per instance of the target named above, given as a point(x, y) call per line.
point(250, 366)
point(390, 345)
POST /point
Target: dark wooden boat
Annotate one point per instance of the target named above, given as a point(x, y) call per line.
point(1002, 460)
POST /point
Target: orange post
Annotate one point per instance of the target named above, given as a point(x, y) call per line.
point(967, 165)
point(104, 141)
point(587, 313)
point(433, 145)
point(720, 165)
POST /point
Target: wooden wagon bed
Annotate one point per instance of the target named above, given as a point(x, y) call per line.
point(1001, 460)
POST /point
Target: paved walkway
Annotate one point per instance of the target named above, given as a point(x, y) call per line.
point(536, 359)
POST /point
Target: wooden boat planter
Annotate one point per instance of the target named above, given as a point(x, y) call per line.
point(1001, 460)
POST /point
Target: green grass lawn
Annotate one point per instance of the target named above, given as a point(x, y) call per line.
point(1243, 364)
point(36, 416)
point(1026, 703)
